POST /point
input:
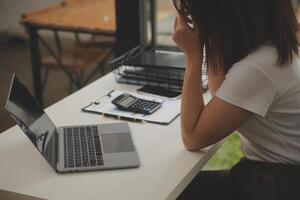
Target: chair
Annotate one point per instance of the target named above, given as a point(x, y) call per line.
point(77, 59)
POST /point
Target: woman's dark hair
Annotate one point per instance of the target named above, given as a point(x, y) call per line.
point(231, 29)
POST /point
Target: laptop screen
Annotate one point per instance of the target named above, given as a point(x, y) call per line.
point(32, 119)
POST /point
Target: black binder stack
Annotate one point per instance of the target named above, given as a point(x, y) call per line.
point(153, 67)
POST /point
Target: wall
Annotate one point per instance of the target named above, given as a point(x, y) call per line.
point(11, 11)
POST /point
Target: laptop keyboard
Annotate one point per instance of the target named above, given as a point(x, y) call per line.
point(82, 147)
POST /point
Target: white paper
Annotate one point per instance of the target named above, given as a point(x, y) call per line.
point(169, 110)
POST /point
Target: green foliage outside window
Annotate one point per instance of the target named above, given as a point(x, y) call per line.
point(228, 155)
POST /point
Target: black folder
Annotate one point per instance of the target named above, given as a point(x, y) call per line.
point(157, 58)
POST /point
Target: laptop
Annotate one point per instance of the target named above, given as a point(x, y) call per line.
point(71, 148)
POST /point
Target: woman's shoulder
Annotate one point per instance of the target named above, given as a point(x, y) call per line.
point(265, 56)
point(264, 60)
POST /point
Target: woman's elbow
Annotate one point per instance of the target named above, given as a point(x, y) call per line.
point(191, 143)
point(191, 147)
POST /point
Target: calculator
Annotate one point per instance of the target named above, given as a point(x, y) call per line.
point(131, 103)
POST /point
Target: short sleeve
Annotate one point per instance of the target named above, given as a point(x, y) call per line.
point(248, 87)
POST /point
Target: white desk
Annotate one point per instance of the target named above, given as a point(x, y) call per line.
point(166, 166)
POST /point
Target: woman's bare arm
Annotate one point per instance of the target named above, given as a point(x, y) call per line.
point(202, 125)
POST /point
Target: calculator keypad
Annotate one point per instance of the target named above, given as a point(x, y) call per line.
point(146, 106)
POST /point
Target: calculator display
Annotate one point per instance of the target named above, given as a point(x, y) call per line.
point(127, 101)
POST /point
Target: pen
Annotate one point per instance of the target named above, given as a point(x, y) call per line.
point(122, 118)
point(131, 119)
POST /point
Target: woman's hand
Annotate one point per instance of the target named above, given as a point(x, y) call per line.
point(187, 39)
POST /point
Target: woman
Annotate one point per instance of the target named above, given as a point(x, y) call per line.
point(251, 53)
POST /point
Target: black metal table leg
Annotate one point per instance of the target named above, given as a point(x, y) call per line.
point(36, 64)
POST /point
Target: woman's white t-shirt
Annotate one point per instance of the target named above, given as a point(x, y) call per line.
point(272, 94)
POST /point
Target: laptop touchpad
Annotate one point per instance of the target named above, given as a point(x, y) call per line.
point(116, 142)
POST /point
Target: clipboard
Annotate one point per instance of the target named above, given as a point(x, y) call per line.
point(169, 110)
